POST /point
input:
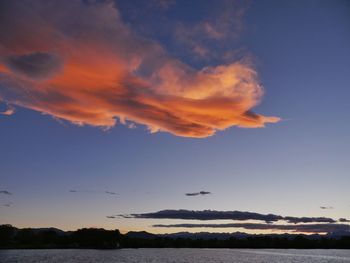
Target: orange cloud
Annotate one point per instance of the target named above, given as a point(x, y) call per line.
point(10, 110)
point(2, 68)
point(85, 66)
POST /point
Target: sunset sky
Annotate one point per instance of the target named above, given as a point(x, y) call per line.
point(113, 111)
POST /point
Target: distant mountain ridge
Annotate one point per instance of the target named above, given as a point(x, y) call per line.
point(53, 229)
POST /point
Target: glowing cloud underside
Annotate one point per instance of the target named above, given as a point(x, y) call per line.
point(79, 62)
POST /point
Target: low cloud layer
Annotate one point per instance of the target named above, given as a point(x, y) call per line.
point(77, 61)
point(228, 215)
point(302, 228)
point(198, 193)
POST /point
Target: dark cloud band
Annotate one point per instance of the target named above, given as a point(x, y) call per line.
point(227, 215)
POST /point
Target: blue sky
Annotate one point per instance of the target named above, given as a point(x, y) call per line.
point(301, 52)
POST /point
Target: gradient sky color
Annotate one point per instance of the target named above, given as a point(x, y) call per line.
point(301, 53)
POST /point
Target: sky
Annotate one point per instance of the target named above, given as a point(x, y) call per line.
point(114, 111)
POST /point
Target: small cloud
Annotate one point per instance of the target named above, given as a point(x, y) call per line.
point(9, 111)
point(198, 193)
point(110, 193)
point(326, 207)
point(111, 217)
point(7, 205)
point(73, 191)
point(5, 192)
point(344, 220)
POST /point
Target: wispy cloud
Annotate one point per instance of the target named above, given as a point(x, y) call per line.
point(110, 193)
point(77, 61)
point(326, 207)
point(92, 192)
point(220, 28)
point(344, 220)
point(192, 194)
point(306, 228)
point(162, 4)
point(198, 193)
point(5, 192)
point(227, 215)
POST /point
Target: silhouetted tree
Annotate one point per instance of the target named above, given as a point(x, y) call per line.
point(26, 237)
point(7, 233)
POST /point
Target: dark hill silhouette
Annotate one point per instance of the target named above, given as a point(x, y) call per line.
point(140, 234)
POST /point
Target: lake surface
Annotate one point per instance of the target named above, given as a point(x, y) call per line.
point(169, 255)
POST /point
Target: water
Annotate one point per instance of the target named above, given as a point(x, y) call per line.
point(169, 255)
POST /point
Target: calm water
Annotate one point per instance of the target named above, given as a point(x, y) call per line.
point(176, 255)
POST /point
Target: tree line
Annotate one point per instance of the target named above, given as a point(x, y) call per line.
point(97, 238)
